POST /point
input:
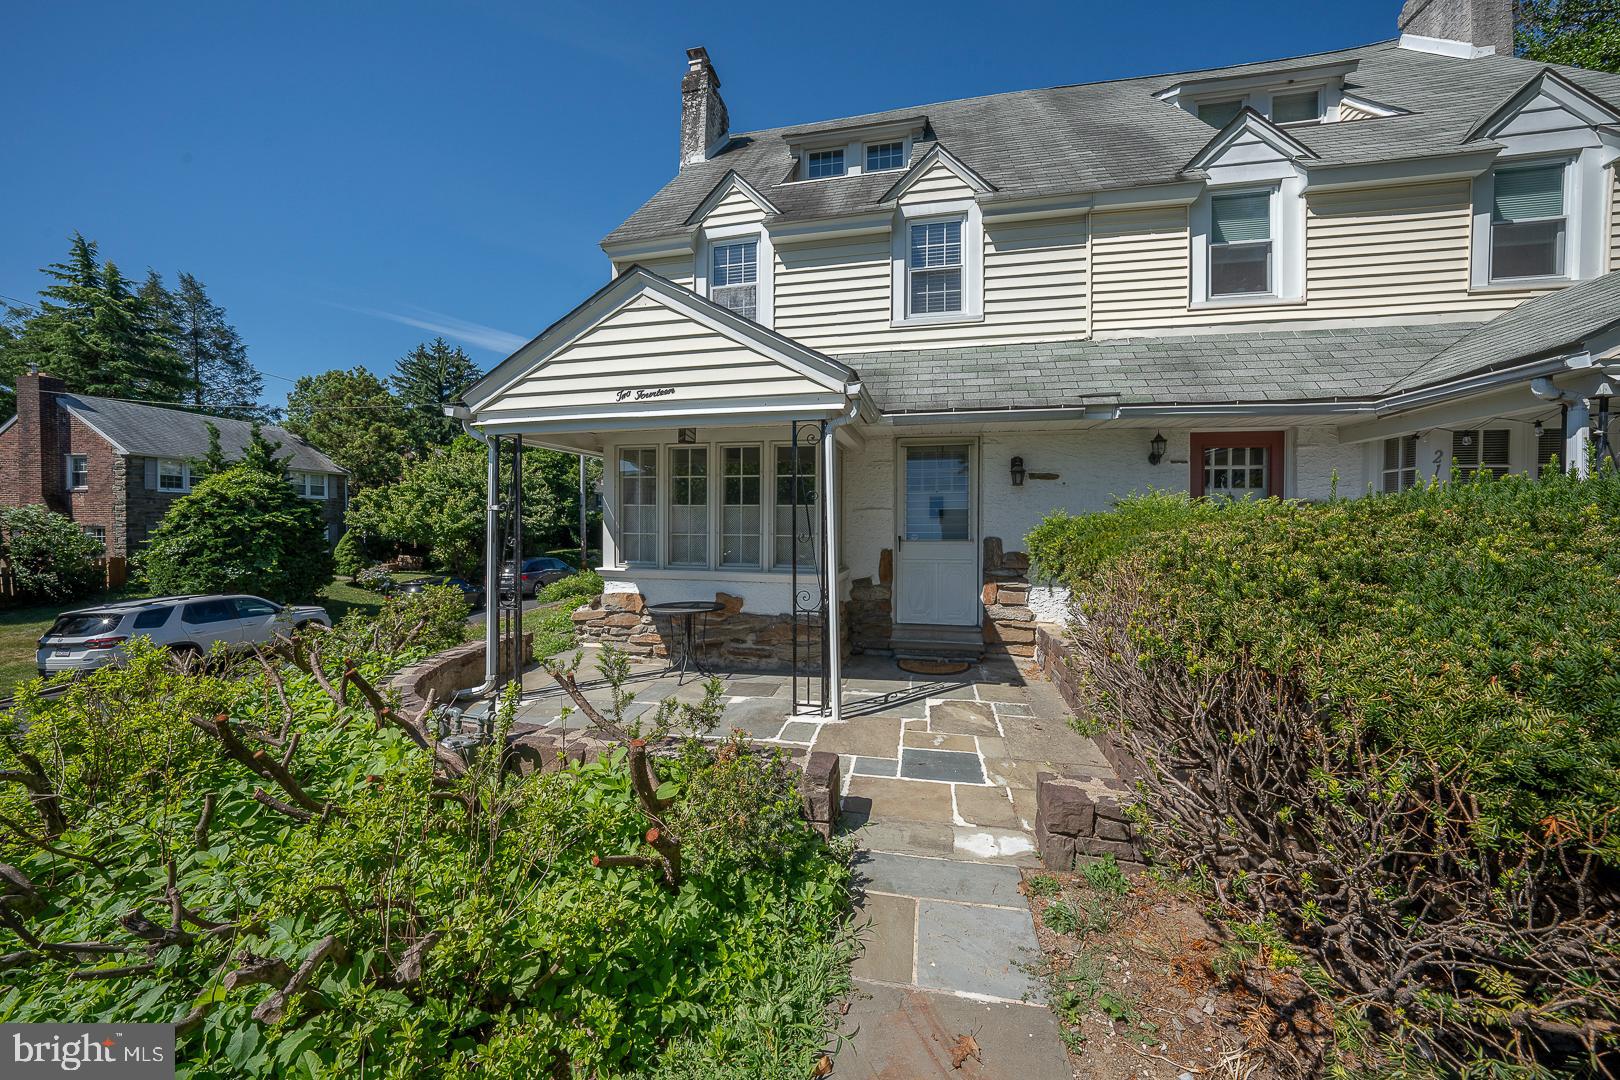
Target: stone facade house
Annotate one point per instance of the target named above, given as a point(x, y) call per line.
point(845, 366)
point(115, 467)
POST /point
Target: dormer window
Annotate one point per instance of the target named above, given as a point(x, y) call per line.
point(820, 163)
point(935, 267)
point(884, 156)
point(1240, 244)
point(1217, 114)
point(1528, 222)
point(1303, 108)
point(734, 279)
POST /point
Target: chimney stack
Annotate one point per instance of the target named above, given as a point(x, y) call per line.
point(1486, 25)
point(704, 121)
point(39, 465)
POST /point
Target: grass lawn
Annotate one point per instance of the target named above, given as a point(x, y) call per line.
point(20, 628)
point(341, 597)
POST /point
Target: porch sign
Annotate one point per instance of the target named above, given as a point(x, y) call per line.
point(643, 393)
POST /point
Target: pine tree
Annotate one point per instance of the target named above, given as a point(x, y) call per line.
point(352, 418)
point(425, 380)
point(223, 382)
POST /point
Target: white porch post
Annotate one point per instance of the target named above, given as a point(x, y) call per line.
point(1577, 437)
point(835, 638)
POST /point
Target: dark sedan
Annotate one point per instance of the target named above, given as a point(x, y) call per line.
point(538, 572)
point(473, 593)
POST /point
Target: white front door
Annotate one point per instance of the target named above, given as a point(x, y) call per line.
point(936, 547)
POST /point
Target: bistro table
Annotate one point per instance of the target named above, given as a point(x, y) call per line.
point(687, 610)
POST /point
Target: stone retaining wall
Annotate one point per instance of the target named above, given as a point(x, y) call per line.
point(732, 638)
point(442, 674)
point(1057, 663)
point(1077, 815)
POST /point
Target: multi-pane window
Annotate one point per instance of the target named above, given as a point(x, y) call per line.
point(638, 506)
point(1527, 222)
point(1240, 244)
point(310, 485)
point(881, 156)
point(98, 533)
point(797, 525)
point(934, 266)
point(1301, 108)
point(1479, 450)
point(1235, 471)
point(741, 490)
point(819, 163)
point(173, 476)
point(1400, 463)
point(689, 506)
point(734, 277)
point(1550, 450)
point(1219, 113)
point(78, 472)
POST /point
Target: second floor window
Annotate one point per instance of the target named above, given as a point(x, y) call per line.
point(78, 472)
point(1218, 114)
point(934, 267)
point(1303, 108)
point(1240, 244)
point(734, 277)
point(310, 485)
point(173, 476)
point(819, 163)
point(1528, 223)
point(881, 156)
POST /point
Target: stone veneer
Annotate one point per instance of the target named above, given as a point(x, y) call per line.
point(731, 637)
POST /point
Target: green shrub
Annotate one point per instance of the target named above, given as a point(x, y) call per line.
point(349, 557)
point(51, 557)
point(242, 530)
point(578, 587)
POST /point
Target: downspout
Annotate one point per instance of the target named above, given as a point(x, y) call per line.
point(1577, 424)
point(492, 571)
point(835, 620)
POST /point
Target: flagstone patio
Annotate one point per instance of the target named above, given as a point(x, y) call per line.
point(939, 791)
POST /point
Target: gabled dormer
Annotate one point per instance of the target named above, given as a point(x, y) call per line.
point(1287, 96)
point(826, 153)
point(733, 257)
point(937, 174)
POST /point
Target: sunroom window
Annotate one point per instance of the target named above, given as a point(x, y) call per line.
point(820, 163)
point(1479, 450)
point(1240, 262)
point(797, 525)
point(934, 267)
point(1527, 223)
point(689, 506)
point(1400, 463)
point(638, 506)
point(734, 277)
point(741, 500)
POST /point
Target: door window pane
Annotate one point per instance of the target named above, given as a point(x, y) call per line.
point(1236, 472)
point(742, 488)
point(798, 524)
point(689, 506)
point(937, 484)
point(638, 506)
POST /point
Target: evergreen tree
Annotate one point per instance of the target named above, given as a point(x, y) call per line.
point(222, 380)
point(97, 334)
point(352, 418)
point(1584, 33)
point(425, 380)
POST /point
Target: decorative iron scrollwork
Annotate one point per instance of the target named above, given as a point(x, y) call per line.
point(807, 563)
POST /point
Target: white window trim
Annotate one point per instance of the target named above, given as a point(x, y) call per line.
point(1287, 245)
point(907, 215)
point(617, 506)
point(717, 504)
point(1586, 197)
point(854, 158)
point(905, 154)
point(765, 273)
point(300, 480)
point(185, 476)
point(1259, 99)
point(666, 511)
point(67, 476)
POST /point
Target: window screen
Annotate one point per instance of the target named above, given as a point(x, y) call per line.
point(733, 280)
point(935, 267)
point(1302, 108)
point(1240, 244)
point(1219, 113)
point(1527, 222)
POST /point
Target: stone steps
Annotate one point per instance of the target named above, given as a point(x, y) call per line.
point(912, 642)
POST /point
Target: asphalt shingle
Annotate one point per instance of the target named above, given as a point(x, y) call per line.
point(155, 431)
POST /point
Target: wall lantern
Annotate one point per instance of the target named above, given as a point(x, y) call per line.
point(1156, 450)
point(1018, 472)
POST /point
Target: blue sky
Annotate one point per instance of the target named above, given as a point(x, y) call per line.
point(349, 179)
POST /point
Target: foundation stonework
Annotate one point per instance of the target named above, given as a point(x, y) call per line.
point(732, 638)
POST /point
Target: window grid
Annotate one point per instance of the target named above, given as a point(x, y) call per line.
point(741, 506)
point(797, 526)
point(1235, 471)
point(884, 156)
point(98, 533)
point(173, 476)
point(1400, 463)
point(1480, 450)
point(78, 472)
point(820, 163)
point(689, 506)
point(935, 267)
point(733, 281)
point(638, 506)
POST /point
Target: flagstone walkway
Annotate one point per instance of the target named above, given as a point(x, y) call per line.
point(940, 794)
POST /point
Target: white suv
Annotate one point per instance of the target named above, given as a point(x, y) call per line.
point(93, 637)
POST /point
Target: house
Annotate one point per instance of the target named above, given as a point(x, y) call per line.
point(116, 466)
point(1347, 272)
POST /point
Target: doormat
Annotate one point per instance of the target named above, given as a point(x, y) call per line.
point(933, 667)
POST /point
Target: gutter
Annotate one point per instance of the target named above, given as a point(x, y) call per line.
point(492, 573)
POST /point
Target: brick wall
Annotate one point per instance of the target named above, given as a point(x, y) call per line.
point(33, 462)
point(146, 506)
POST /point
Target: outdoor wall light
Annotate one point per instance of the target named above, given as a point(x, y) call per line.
point(1156, 450)
point(1018, 472)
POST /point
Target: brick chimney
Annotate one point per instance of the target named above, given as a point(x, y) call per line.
point(1486, 25)
point(38, 477)
point(704, 120)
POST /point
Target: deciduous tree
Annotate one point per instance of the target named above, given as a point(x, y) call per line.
point(1583, 33)
point(352, 418)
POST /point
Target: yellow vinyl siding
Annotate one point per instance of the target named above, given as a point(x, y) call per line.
point(834, 296)
point(1139, 268)
point(647, 345)
point(735, 208)
point(1349, 112)
point(1614, 219)
point(935, 184)
point(676, 268)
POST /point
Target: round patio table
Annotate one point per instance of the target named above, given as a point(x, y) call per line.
point(687, 611)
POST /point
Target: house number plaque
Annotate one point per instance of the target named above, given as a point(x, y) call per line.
point(644, 393)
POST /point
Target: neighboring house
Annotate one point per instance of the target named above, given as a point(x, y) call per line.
point(115, 467)
point(1350, 271)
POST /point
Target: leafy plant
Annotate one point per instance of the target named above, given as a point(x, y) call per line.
point(1104, 876)
point(1043, 885)
point(578, 587)
point(51, 557)
point(1060, 918)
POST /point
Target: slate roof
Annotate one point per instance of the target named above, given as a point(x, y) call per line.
point(1545, 326)
point(156, 431)
point(1105, 135)
point(1277, 366)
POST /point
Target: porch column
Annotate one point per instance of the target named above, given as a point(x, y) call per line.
point(835, 637)
point(1577, 437)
